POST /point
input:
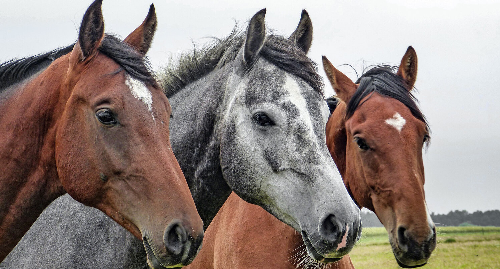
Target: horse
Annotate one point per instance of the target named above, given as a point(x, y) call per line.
point(91, 120)
point(249, 116)
point(375, 134)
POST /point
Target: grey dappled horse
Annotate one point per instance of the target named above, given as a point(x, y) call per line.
point(249, 117)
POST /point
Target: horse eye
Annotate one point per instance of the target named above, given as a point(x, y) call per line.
point(106, 117)
point(361, 143)
point(263, 119)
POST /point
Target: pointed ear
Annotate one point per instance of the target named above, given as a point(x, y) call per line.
point(256, 35)
point(91, 31)
point(408, 67)
point(302, 36)
point(343, 86)
point(142, 37)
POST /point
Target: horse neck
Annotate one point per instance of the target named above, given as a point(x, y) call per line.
point(28, 173)
point(197, 146)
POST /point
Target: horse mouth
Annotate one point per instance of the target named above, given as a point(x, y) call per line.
point(405, 260)
point(153, 260)
point(408, 266)
point(314, 253)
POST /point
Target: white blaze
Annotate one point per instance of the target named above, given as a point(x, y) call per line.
point(396, 121)
point(140, 91)
point(300, 102)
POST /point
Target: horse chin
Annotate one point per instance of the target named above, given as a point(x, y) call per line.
point(153, 261)
point(405, 262)
point(410, 266)
point(313, 253)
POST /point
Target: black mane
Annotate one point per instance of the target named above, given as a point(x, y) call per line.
point(383, 81)
point(199, 62)
point(14, 71)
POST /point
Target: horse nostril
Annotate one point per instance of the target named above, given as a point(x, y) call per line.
point(330, 228)
point(175, 238)
point(402, 238)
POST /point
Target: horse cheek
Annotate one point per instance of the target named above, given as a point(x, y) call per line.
point(74, 158)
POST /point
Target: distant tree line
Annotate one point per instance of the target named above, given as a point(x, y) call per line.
point(462, 217)
point(369, 219)
point(453, 218)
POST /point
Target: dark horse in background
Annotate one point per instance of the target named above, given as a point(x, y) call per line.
point(94, 123)
point(249, 116)
point(375, 134)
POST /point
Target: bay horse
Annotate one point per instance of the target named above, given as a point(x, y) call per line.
point(249, 116)
point(91, 120)
point(375, 135)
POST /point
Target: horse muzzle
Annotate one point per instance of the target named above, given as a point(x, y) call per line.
point(179, 249)
point(334, 240)
point(410, 253)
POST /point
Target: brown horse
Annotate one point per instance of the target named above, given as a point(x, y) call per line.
point(95, 124)
point(375, 135)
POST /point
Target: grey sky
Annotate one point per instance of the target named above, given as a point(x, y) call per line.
point(457, 43)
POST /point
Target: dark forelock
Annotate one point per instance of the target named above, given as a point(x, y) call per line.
point(383, 81)
point(134, 63)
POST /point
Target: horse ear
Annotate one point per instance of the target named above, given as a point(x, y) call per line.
point(91, 31)
point(408, 67)
point(343, 86)
point(302, 36)
point(256, 35)
point(142, 37)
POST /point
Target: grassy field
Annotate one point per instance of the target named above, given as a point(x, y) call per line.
point(458, 247)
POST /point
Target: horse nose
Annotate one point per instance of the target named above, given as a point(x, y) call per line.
point(414, 250)
point(331, 229)
point(175, 238)
point(403, 240)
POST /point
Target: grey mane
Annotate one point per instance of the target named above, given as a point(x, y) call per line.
point(277, 50)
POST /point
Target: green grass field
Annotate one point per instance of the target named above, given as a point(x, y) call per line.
point(458, 247)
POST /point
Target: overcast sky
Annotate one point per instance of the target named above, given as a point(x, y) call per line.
point(457, 43)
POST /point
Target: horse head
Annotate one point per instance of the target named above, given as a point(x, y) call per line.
point(273, 150)
point(112, 142)
point(376, 135)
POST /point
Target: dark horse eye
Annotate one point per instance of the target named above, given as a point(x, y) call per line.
point(106, 117)
point(263, 119)
point(361, 143)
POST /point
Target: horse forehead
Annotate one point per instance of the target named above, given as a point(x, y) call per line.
point(297, 95)
point(376, 112)
point(396, 121)
point(268, 83)
point(130, 86)
point(140, 91)
point(381, 108)
point(265, 84)
point(310, 112)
